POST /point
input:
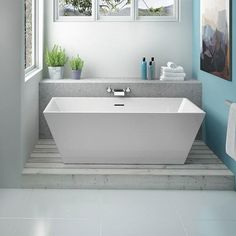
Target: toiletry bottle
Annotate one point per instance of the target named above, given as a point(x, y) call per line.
point(154, 68)
point(150, 71)
point(144, 69)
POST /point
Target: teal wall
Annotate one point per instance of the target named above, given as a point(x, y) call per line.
point(215, 92)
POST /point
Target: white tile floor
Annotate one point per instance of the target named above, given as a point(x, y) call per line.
point(116, 213)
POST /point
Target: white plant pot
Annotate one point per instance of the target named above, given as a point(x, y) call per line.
point(56, 72)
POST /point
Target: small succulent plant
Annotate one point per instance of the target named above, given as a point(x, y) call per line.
point(76, 63)
point(56, 57)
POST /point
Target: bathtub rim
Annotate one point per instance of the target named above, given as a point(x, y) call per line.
point(48, 109)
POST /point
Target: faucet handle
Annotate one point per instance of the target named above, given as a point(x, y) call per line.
point(128, 90)
point(109, 90)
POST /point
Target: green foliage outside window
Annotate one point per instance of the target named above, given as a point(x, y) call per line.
point(109, 6)
point(81, 7)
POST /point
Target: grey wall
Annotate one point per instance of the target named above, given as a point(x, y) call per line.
point(114, 49)
point(11, 63)
point(30, 115)
point(18, 99)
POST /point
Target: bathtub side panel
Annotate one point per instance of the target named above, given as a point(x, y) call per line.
point(124, 138)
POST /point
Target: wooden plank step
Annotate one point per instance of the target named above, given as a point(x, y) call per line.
point(45, 146)
point(189, 160)
point(200, 148)
point(143, 172)
point(203, 161)
point(57, 155)
point(94, 166)
point(42, 147)
point(194, 147)
point(202, 156)
point(55, 150)
point(45, 150)
point(45, 155)
point(202, 170)
point(46, 141)
point(44, 160)
point(52, 142)
point(201, 151)
point(199, 142)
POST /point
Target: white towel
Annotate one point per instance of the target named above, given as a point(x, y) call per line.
point(172, 78)
point(231, 133)
point(178, 69)
point(171, 65)
point(168, 74)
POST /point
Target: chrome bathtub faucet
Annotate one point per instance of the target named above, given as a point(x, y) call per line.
point(119, 92)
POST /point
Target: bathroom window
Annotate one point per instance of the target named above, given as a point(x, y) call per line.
point(33, 36)
point(74, 10)
point(116, 10)
point(29, 34)
point(113, 10)
point(157, 10)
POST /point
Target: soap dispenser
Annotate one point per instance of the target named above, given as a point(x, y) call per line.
point(144, 69)
point(154, 67)
point(150, 71)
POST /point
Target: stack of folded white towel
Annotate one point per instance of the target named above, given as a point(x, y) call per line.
point(172, 72)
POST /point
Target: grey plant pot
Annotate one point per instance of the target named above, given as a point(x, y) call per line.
point(76, 74)
point(56, 72)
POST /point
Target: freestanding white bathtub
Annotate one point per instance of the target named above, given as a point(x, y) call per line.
point(123, 130)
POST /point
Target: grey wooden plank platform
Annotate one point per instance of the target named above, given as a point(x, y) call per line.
point(202, 170)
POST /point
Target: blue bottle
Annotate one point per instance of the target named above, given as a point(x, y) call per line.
point(144, 69)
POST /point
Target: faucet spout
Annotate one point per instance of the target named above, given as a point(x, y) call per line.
point(118, 92)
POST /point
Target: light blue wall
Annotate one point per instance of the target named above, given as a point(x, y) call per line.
point(215, 92)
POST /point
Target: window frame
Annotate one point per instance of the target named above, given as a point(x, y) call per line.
point(37, 39)
point(58, 18)
point(134, 14)
point(174, 18)
point(115, 18)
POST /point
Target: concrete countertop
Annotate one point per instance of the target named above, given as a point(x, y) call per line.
point(119, 80)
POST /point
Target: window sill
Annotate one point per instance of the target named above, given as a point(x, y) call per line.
point(32, 73)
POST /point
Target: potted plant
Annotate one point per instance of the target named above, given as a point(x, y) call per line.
point(56, 59)
point(76, 64)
